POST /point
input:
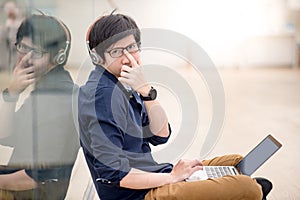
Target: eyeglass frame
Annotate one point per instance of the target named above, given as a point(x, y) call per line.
point(37, 53)
point(124, 48)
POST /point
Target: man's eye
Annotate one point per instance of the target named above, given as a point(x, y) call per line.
point(37, 52)
point(116, 52)
point(132, 47)
point(25, 47)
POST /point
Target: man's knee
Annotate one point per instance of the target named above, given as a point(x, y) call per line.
point(251, 189)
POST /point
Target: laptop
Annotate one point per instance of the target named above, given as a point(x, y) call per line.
point(247, 166)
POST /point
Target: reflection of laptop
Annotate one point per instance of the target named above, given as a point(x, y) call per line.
point(250, 163)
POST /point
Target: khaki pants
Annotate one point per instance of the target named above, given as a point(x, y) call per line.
point(48, 191)
point(238, 187)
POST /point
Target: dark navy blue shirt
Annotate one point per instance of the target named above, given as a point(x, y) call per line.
point(115, 135)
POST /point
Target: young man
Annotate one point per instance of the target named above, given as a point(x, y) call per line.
point(119, 116)
point(40, 129)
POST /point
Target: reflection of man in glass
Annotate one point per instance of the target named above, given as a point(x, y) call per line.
point(41, 131)
point(8, 34)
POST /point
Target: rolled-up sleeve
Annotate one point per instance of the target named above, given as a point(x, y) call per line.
point(157, 140)
point(152, 138)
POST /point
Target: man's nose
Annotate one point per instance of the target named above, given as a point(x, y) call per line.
point(125, 60)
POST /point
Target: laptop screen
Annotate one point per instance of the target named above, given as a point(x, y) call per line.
point(262, 152)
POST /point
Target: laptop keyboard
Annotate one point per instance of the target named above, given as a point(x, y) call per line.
point(218, 171)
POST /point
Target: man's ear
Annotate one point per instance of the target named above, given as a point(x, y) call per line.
point(96, 59)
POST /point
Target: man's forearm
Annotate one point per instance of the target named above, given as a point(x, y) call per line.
point(158, 120)
point(137, 179)
point(17, 181)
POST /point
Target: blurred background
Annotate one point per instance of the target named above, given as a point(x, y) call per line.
point(254, 45)
point(234, 33)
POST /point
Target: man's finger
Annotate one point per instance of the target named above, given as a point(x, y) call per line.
point(131, 59)
point(24, 60)
point(124, 80)
point(196, 162)
point(29, 70)
point(124, 74)
point(126, 68)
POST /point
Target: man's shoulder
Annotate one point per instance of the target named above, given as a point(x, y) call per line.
point(100, 83)
point(96, 87)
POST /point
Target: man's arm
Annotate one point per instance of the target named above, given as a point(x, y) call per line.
point(17, 181)
point(133, 76)
point(158, 120)
point(137, 179)
point(22, 77)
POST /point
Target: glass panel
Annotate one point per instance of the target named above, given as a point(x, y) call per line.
point(38, 134)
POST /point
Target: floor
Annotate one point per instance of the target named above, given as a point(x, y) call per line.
point(258, 101)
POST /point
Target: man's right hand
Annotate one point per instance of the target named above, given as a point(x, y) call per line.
point(22, 77)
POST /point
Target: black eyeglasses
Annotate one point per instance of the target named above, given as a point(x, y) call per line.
point(118, 52)
point(24, 49)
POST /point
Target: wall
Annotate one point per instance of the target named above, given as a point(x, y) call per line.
point(222, 28)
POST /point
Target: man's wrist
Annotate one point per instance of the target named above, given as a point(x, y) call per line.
point(171, 179)
point(151, 95)
point(145, 90)
point(9, 97)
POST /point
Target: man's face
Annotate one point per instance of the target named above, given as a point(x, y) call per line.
point(114, 65)
point(11, 10)
point(39, 58)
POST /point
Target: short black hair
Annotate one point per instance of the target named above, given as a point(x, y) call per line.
point(109, 29)
point(45, 31)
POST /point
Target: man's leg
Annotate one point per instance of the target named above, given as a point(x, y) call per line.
point(226, 160)
point(6, 195)
point(229, 187)
point(234, 159)
point(226, 188)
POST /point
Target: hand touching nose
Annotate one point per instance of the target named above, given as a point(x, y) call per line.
point(133, 76)
point(23, 76)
